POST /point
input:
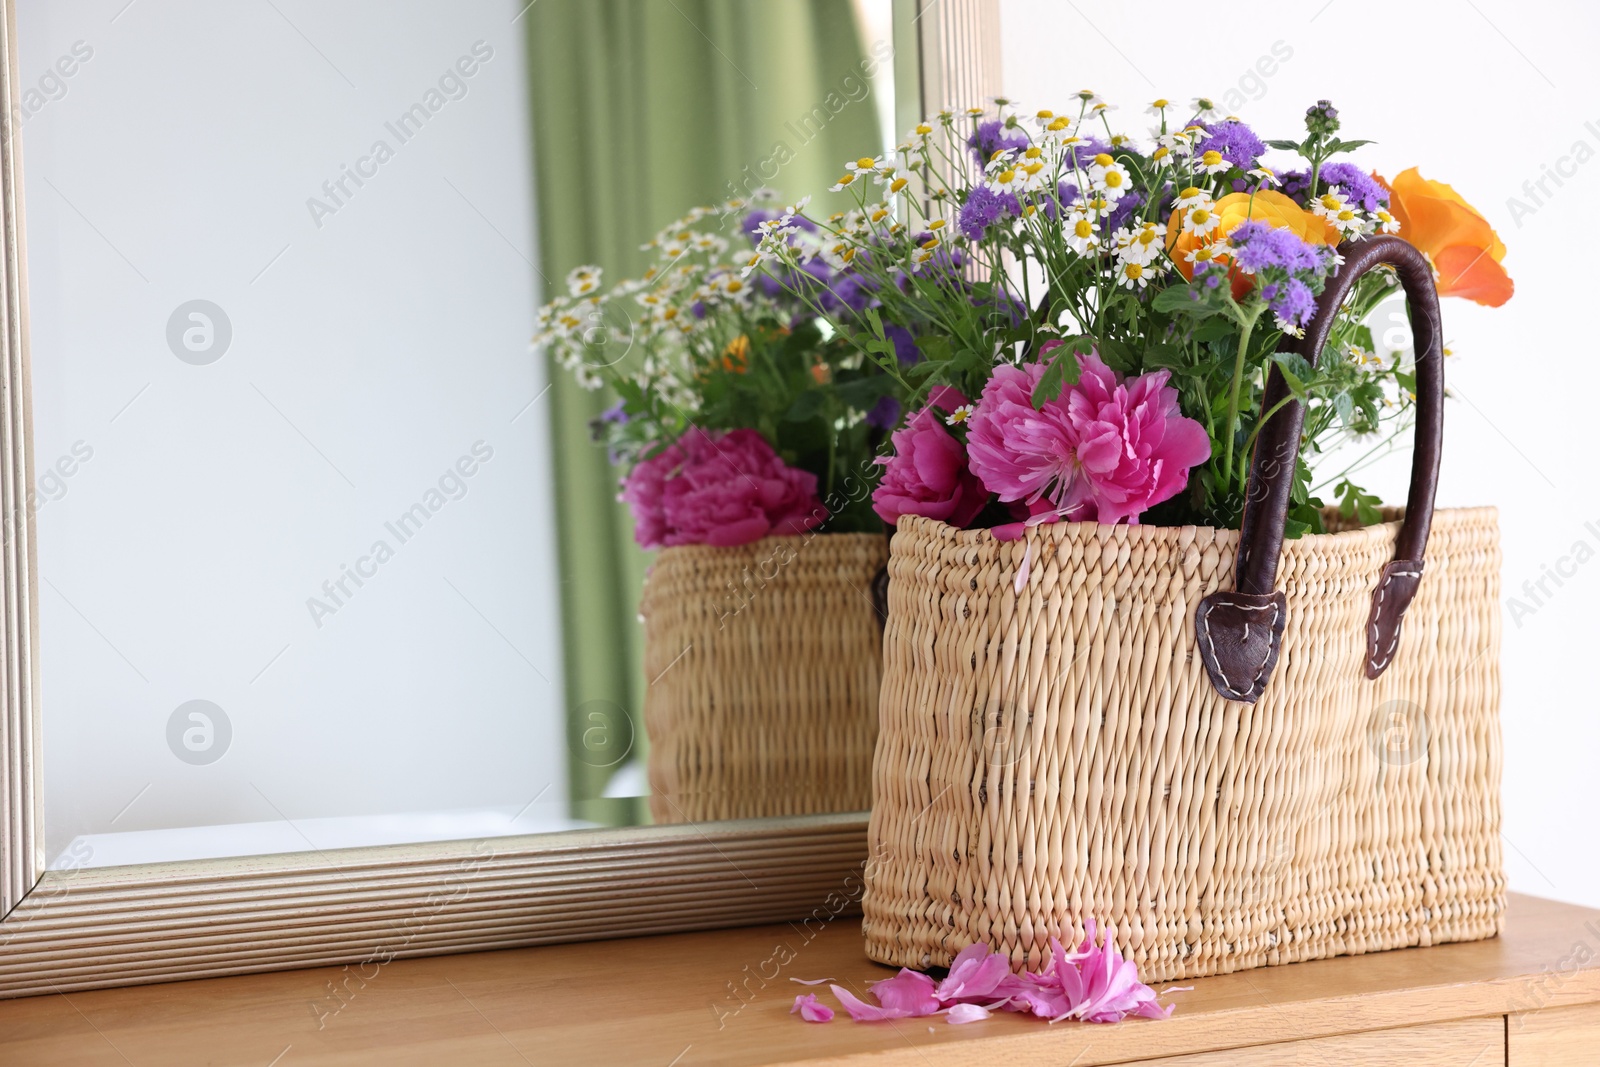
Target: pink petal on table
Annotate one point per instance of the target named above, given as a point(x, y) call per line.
point(908, 991)
point(975, 974)
point(863, 1012)
point(811, 1009)
point(967, 1013)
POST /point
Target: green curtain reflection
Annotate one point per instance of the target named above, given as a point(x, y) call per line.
point(642, 109)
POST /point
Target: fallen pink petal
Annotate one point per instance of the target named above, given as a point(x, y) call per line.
point(811, 1009)
point(968, 1013)
point(1093, 984)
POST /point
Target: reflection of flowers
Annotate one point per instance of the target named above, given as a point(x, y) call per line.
point(727, 489)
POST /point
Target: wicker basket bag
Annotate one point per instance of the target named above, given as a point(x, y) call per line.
point(764, 663)
point(1141, 725)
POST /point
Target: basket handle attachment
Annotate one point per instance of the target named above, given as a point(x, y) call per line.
point(1239, 632)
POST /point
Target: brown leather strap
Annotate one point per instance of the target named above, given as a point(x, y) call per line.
point(1240, 661)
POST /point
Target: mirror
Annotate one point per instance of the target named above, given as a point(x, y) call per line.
point(327, 556)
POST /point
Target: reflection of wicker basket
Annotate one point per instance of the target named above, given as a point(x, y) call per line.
point(1057, 753)
point(763, 663)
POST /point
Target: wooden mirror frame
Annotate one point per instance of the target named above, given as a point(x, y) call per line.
point(66, 930)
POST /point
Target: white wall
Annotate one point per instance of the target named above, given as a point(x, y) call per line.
point(371, 349)
point(1482, 96)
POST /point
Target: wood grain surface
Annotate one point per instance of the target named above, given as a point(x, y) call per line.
point(722, 998)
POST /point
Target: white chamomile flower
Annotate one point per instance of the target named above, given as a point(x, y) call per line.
point(893, 179)
point(1142, 242)
point(1109, 177)
point(1332, 206)
point(1328, 204)
point(959, 416)
point(1212, 162)
point(918, 137)
point(839, 254)
point(752, 262)
point(1082, 235)
point(850, 178)
point(581, 281)
point(1088, 98)
point(1099, 110)
point(1004, 176)
point(1158, 107)
point(1200, 219)
point(923, 253)
point(1132, 274)
point(863, 166)
point(1386, 222)
point(1205, 109)
point(1216, 252)
point(1263, 176)
point(709, 242)
point(879, 214)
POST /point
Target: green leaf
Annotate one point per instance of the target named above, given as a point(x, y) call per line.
point(1051, 382)
point(1287, 146)
point(1162, 355)
point(1183, 300)
point(1118, 356)
point(1346, 146)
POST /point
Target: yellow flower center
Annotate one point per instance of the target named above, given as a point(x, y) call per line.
point(734, 285)
point(1058, 125)
point(937, 224)
point(1211, 158)
point(1006, 177)
point(1133, 270)
point(897, 185)
point(932, 242)
point(1330, 201)
point(1163, 102)
point(1042, 115)
point(1034, 152)
point(1083, 228)
point(1187, 193)
point(1103, 160)
point(924, 129)
point(847, 179)
point(1200, 216)
point(864, 163)
point(1113, 179)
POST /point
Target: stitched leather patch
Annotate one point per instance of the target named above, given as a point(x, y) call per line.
point(1239, 636)
point(1396, 586)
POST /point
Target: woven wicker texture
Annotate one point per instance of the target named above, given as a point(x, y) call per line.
point(764, 664)
point(1059, 754)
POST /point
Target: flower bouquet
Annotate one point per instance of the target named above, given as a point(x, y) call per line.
point(746, 431)
point(1098, 696)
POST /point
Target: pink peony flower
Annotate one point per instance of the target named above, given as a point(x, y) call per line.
point(1025, 455)
point(1134, 445)
point(927, 474)
point(1102, 449)
point(719, 489)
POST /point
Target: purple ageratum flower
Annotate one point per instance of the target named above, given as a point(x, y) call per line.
point(985, 207)
point(1292, 300)
point(1082, 155)
point(994, 136)
point(905, 346)
point(1357, 185)
point(1259, 246)
point(1286, 266)
point(848, 290)
point(884, 414)
point(1237, 143)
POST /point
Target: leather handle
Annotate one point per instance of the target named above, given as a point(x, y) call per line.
point(1240, 660)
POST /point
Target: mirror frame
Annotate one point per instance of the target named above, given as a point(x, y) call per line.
point(67, 930)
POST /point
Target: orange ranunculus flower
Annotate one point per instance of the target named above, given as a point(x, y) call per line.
point(1463, 246)
point(1233, 210)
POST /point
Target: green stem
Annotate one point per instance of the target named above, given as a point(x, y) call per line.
point(1231, 426)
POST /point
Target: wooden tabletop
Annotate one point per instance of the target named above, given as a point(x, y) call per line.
point(722, 997)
